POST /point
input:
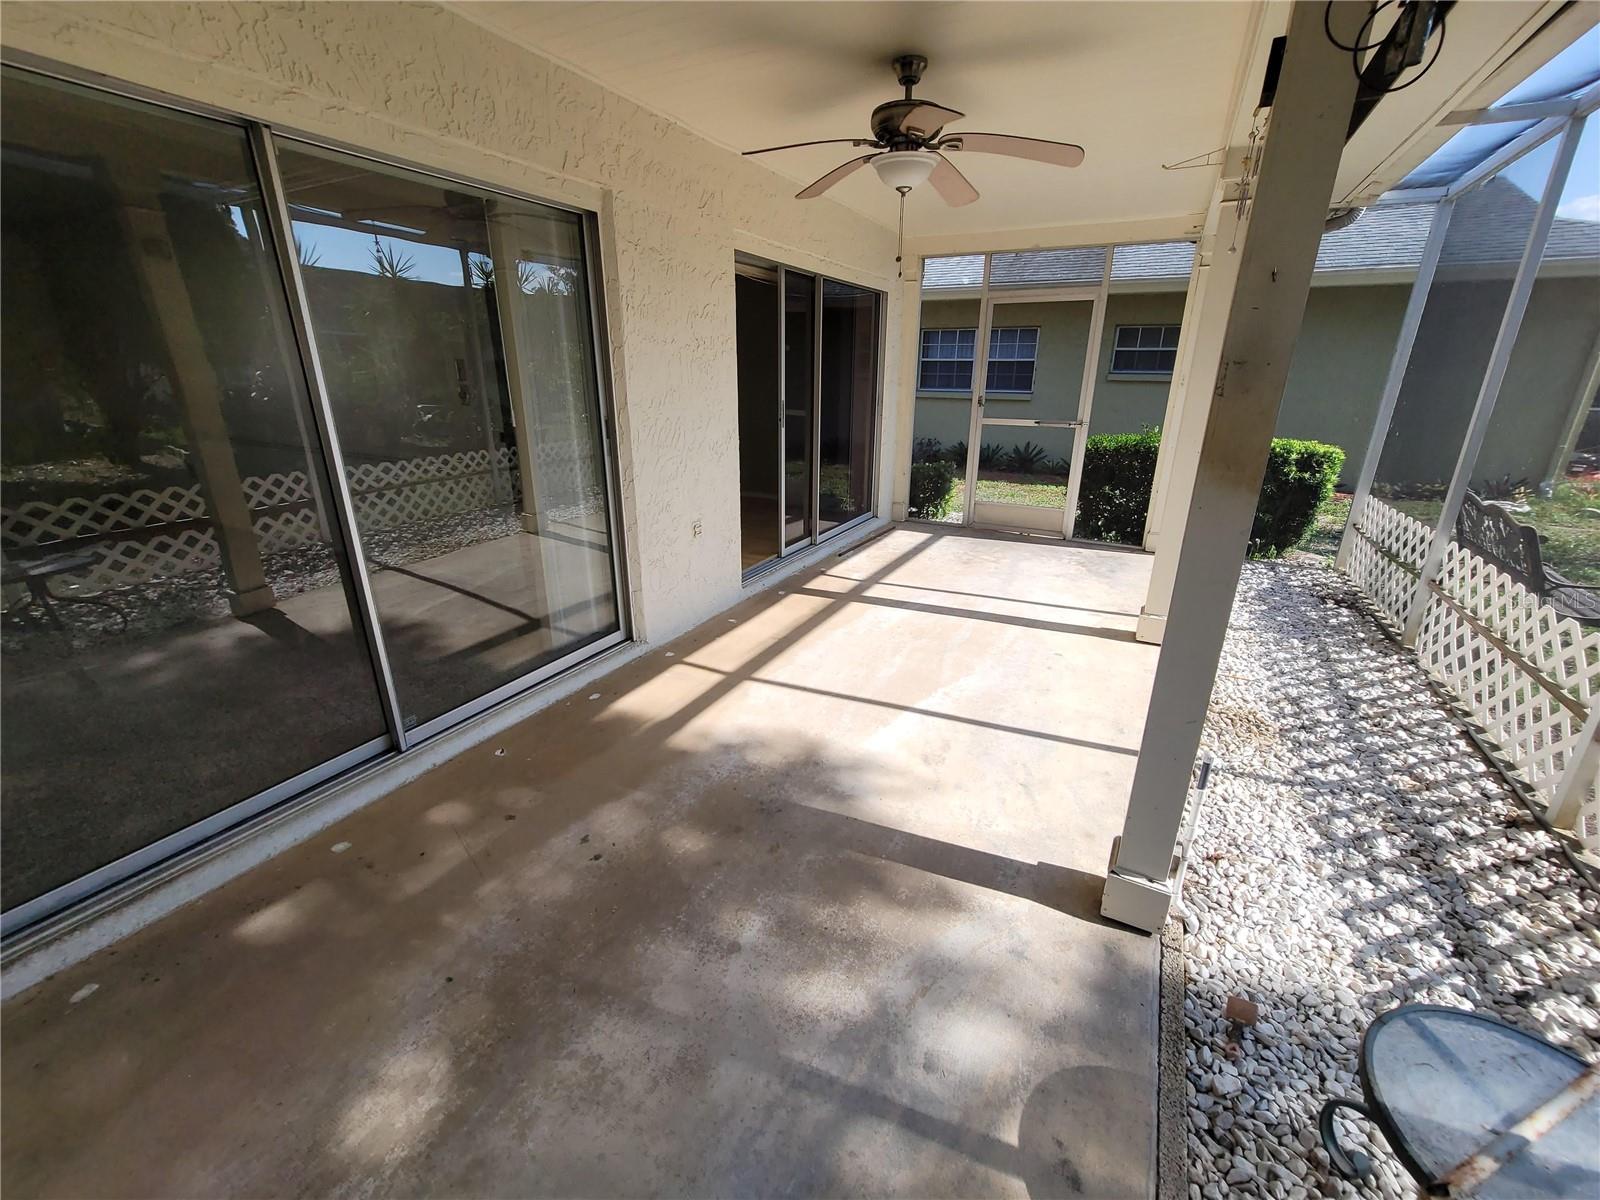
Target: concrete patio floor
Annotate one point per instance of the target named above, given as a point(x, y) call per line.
point(803, 903)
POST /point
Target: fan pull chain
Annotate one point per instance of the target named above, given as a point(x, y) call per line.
point(900, 238)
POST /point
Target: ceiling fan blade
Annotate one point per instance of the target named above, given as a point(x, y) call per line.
point(824, 142)
point(926, 119)
point(1060, 154)
point(952, 186)
point(833, 177)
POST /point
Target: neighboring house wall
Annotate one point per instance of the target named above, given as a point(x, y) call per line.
point(1341, 361)
point(437, 90)
point(1339, 367)
point(1546, 370)
point(1126, 404)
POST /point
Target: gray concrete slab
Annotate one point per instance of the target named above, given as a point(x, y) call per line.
point(802, 904)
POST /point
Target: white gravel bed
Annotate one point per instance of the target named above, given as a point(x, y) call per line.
point(1356, 853)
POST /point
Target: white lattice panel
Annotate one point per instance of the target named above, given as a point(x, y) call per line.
point(34, 522)
point(286, 530)
point(387, 495)
point(1386, 557)
point(1515, 707)
point(262, 491)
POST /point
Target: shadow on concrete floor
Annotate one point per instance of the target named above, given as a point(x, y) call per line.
point(698, 935)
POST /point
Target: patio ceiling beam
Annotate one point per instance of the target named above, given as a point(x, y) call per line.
point(1175, 228)
point(1304, 142)
point(1212, 274)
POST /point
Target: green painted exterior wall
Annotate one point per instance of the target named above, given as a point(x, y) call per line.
point(1339, 367)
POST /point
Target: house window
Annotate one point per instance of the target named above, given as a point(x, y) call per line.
point(1011, 359)
point(947, 360)
point(1145, 350)
point(947, 356)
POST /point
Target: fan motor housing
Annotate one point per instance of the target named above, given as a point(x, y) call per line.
point(887, 128)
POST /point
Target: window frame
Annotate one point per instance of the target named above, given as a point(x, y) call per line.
point(1032, 359)
point(1143, 373)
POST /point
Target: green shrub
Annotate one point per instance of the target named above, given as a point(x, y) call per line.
point(1300, 477)
point(1027, 458)
point(931, 486)
point(1119, 469)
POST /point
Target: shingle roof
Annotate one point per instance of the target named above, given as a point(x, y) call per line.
point(1490, 224)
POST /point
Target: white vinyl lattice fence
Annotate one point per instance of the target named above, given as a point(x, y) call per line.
point(147, 534)
point(1526, 676)
point(1387, 557)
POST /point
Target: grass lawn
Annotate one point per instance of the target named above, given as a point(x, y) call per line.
point(1568, 522)
point(1037, 491)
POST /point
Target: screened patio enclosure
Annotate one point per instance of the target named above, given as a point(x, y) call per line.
point(305, 461)
point(1483, 561)
point(1012, 350)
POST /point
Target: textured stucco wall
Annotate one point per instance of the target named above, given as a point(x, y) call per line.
point(421, 84)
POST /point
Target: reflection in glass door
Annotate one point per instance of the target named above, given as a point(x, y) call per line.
point(452, 329)
point(759, 321)
point(799, 372)
point(1030, 408)
point(180, 646)
point(848, 411)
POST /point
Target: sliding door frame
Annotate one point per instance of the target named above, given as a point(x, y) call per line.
point(756, 265)
point(130, 871)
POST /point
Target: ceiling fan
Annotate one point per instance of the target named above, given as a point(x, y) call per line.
point(909, 149)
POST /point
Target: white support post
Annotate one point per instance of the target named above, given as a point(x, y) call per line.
point(1493, 377)
point(197, 386)
point(906, 413)
point(1172, 418)
point(1579, 773)
point(1219, 276)
point(1381, 421)
point(1304, 143)
point(519, 381)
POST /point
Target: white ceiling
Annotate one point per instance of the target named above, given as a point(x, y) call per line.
point(1136, 84)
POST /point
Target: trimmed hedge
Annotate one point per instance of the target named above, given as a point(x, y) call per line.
point(1118, 472)
point(932, 485)
point(1119, 469)
point(1300, 478)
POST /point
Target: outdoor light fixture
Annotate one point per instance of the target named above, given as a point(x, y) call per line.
point(904, 169)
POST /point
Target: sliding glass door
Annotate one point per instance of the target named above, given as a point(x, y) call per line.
point(304, 460)
point(849, 408)
point(180, 631)
point(808, 388)
point(452, 330)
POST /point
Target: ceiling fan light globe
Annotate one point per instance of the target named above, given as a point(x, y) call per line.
point(904, 168)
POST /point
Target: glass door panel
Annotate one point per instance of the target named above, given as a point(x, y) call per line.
point(799, 372)
point(942, 422)
point(758, 320)
point(453, 329)
point(849, 403)
point(1029, 411)
point(179, 646)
